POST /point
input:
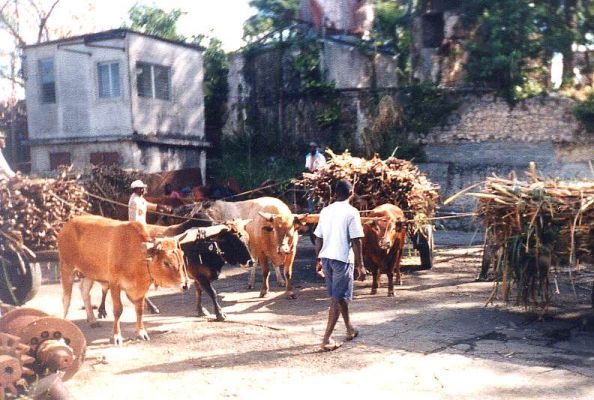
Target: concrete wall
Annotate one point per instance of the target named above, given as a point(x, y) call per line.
point(349, 68)
point(148, 157)
point(184, 113)
point(78, 110)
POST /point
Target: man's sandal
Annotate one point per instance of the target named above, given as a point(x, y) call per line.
point(332, 345)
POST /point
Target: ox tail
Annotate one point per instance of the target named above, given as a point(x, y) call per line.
point(67, 279)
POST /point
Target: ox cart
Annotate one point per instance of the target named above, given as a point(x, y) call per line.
point(377, 182)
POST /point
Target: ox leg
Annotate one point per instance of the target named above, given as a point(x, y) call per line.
point(279, 276)
point(376, 276)
point(86, 285)
point(151, 306)
point(67, 281)
point(252, 275)
point(206, 285)
point(140, 331)
point(265, 276)
point(118, 308)
point(200, 310)
point(390, 274)
point(397, 268)
point(289, 293)
point(101, 311)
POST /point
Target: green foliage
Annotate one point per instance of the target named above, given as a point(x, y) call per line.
point(584, 112)
point(155, 21)
point(271, 15)
point(392, 29)
point(500, 54)
point(425, 106)
point(216, 86)
point(250, 163)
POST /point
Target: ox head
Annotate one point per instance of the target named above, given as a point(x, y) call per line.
point(234, 242)
point(283, 229)
point(165, 263)
point(386, 231)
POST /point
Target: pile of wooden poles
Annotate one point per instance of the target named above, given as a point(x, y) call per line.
point(375, 182)
point(532, 225)
point(112, 183)
point(34, 209)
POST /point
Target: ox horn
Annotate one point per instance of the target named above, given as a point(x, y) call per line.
point(267, 216)
point(300, 219)
point(239, 223)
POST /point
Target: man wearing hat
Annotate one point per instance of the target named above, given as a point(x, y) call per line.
point(5, 171)
point(138, 205)
point(314, 159)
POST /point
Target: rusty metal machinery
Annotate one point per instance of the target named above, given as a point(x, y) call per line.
point(34, 345)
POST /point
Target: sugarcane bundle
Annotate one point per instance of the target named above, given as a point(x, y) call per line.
point(32, 210)
point(532, 225)
point(375, 182)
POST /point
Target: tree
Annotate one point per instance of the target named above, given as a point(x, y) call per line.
point(155, 21)
point(216, 87)
point(392, 29)
point(504, 47)
point(272, 15)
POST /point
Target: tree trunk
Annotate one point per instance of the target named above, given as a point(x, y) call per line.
point(570, 11)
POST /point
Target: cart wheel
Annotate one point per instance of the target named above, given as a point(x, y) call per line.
point(16, 287)
point(424, 244)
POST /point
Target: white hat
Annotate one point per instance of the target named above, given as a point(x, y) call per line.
point(137, 184)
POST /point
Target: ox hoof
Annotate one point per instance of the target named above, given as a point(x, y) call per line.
point(390, 294)
point(95, 324)
point(154, 310)
point(221, 317)
point(142, 335)
point(101, 313)
point(117, 340)
point(290, 296)
point(373, 291)
point(282, 283)
point(263, 294)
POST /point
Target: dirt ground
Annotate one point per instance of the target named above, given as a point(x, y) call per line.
point(435, 339)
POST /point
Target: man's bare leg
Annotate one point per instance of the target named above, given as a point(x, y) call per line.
point(333, 314)
point(344, 311)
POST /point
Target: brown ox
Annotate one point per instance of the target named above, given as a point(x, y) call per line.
point(272, 233)
point(383, 244)
point(122, 256)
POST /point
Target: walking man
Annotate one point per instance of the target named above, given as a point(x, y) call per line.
point(339, 229)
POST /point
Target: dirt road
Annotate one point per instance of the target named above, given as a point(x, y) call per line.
point(435, 339)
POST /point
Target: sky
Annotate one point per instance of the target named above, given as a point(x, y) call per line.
point(224, 18)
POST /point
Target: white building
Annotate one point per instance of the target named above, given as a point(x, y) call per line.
point(117, 96)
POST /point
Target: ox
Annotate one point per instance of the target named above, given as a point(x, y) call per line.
point(272, 234)
point(383, 244)
point(205, 256)
point(122, 256)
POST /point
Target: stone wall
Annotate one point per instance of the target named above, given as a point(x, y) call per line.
point(485, 136)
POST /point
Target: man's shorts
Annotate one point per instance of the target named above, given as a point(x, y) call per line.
point(339, 278)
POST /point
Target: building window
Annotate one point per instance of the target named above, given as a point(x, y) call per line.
point(58, 159)
point(48, 81)
point(153, 81)
point(108, 77)
point(105, 158)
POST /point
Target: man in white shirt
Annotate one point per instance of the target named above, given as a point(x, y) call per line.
point(138, 205)
point(338, 229)
point(314, 159)
point(5, 171)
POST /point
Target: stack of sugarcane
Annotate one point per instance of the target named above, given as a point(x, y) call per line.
point(532, 225)
point(376, 182)
point(112, 183)
point(32, 210)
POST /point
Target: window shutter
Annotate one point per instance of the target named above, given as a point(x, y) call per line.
point(144, 80)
